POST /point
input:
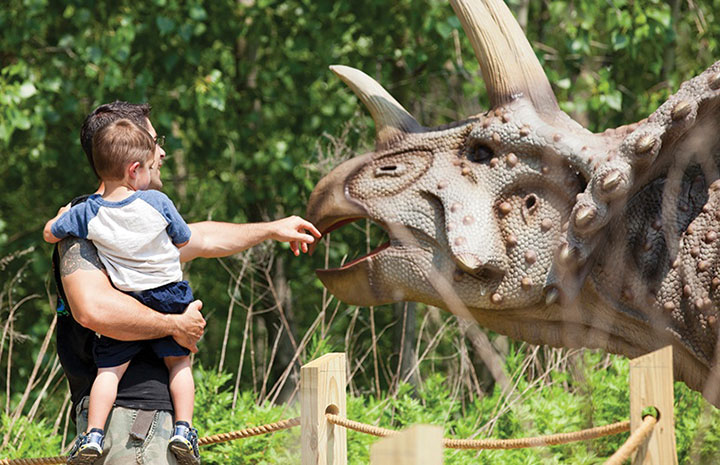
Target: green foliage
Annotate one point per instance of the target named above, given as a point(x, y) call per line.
point(214, 414)
point(592, 391)
point(35, 438)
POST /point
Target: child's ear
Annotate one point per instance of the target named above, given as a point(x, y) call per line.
point(132, 169)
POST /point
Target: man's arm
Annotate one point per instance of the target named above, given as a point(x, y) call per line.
point(212, 239)
point(98, 306)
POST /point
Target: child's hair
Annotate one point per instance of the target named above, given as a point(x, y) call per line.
point(119, 144)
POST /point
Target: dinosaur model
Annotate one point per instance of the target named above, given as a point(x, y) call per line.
point(535, 227)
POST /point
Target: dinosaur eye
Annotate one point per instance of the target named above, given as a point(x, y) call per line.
point(479, 153)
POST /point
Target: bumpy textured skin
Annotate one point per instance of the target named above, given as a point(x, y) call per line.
point(546, 232)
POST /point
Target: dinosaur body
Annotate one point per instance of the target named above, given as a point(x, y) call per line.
point(533, 226)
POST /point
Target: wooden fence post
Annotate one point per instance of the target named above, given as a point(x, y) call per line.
point(322, 390)
point(651, 385)
point(417, 445)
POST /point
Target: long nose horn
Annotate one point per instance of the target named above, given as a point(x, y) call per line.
point(391, 119)
point(509, 65)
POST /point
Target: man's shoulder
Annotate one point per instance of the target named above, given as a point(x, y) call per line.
point(80, 199)
point(75, 254)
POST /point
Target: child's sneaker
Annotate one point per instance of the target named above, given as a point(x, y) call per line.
point(184, 444)
point(87, 448)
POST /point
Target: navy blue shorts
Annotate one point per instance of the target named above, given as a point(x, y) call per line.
point(170, 298)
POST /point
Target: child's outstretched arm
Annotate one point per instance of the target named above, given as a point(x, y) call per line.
point(47, 232)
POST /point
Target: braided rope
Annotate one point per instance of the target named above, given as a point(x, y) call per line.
point(633, 442)
point(36, 461)
point(622, 454)
point(223, 437)
point(549, 440)
point(248, 432)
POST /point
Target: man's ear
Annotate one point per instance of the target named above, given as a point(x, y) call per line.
point(132, 169)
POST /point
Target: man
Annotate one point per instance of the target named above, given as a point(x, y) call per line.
point(140, 424)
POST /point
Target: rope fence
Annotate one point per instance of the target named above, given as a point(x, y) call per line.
point(549, 440)
point(321, 406)
point(505, 444)
point(635, 440)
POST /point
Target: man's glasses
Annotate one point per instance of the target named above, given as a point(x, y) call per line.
point(160, 140)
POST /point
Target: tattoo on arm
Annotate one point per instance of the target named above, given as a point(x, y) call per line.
point(78, 254)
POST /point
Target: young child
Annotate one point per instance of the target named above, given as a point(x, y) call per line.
point(137, 234)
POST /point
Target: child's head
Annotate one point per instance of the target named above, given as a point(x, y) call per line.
point(119, 145)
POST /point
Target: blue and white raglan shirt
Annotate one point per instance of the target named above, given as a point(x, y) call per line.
point(135, 237)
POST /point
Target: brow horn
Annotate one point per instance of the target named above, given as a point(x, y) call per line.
point(391, 119)
point(509, 65)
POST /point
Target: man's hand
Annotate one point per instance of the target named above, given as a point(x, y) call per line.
point(189, 326)
point(293, 229)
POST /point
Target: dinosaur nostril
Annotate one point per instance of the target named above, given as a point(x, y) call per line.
point(530, 201)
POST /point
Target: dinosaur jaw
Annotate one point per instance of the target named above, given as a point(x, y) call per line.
point(353, 282)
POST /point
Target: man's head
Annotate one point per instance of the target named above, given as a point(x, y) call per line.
point(108, 113)
point(123, 145)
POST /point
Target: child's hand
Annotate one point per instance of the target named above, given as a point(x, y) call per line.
point(63, 210)
point(47, 231)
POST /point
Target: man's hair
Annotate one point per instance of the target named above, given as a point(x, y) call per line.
point(107, 113)
point(119, 144)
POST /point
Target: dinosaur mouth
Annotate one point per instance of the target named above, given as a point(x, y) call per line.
point(358, 281)
point(344, 222)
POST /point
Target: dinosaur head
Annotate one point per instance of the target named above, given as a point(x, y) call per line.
point(524, 221)
point(474, 210)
